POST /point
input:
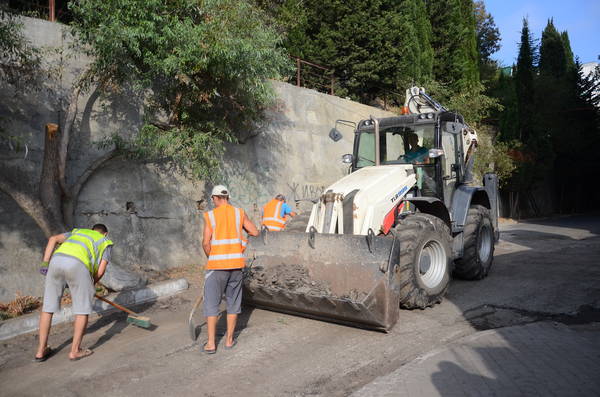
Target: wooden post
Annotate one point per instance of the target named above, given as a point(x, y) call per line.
point(332, 82)
point(51, 11)
point(298, 72)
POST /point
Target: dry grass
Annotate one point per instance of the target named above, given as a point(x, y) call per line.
point(20, 305)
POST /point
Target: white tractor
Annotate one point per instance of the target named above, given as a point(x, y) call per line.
point(392, 232)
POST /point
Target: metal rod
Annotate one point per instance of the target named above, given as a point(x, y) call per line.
point(332, 83)
point(298, 72)
point(377, 157)
point(51, 11)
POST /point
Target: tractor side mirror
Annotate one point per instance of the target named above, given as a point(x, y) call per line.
point(335, 135)
point(347, 158)
point(433, 153)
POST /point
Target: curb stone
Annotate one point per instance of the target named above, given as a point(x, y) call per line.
point(24, 324)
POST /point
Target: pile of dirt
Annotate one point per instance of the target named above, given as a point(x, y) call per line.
point(291, 278)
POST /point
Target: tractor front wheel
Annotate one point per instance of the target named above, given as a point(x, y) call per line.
point(423, 270)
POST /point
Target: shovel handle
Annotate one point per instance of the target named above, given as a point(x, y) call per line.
point(126, 310)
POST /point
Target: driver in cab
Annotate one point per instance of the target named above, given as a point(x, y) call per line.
point(416, 154)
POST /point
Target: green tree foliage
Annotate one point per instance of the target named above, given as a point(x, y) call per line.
point(493, 155)
point(202, 68)
point(524, 83)
point(488, 41)
point(557, 120)
point(508, 122)
point(476, 107)
point(19, 60)
point(553, 56)
point(373, 47)
point(454, 42)
point(19, 66)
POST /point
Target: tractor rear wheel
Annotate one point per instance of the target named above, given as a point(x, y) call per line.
point(423, 272)
point(478, 252)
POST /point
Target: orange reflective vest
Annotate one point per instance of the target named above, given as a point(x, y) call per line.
point(272, 215)
point(227, 243)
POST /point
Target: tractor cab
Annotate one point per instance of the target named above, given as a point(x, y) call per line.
point(431, 142)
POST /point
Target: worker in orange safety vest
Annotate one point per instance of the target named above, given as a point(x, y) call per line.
point(276, 213)
point(224, 244)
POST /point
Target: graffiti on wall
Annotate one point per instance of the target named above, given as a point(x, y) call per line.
point(300, 192)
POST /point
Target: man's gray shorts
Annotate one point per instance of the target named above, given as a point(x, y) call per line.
point(219, 282)
point(62, 271)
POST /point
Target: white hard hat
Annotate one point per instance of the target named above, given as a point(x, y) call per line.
point(220, 190)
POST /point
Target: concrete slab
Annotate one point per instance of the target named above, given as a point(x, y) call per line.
point(538, 359)
point(29, 323)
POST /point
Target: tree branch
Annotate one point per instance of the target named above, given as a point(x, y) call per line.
point(65, 136)
point(83, 178)
point(29, 204)
point(75, 189)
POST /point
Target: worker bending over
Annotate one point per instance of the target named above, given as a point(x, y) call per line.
point(276, 213)
point(78, 263)
point(224, 244)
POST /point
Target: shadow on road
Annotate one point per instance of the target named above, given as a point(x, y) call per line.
point(552, 281)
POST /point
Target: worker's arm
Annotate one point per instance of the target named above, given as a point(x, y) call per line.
point(249, 226)
point(101, 270)
point(206, 236)
point(287, 210)
point(52, 241)
point(103, 263)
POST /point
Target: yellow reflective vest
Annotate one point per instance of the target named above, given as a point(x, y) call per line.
point(87, 246)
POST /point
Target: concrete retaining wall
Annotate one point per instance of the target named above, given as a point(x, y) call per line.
point(292, 155)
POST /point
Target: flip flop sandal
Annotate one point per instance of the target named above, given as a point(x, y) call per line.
point(86, 353)
point(232, 345)
point(48, 351)
point(213, 351)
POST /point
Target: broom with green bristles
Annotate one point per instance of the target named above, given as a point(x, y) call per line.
point(133, 318)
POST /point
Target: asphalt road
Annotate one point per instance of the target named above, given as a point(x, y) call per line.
point(543, 270)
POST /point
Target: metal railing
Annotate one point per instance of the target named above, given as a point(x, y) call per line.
point(52, 10)
point(314, 76)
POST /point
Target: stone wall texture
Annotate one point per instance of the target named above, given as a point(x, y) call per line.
point(153, 212)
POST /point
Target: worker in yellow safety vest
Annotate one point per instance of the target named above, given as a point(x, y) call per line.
point(276, 213)
point(78, 263)
point(224, 244)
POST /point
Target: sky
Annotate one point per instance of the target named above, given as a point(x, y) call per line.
point(580, 18)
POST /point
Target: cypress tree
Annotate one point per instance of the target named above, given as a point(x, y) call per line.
point(508, 118)
point(524, 83)
point(569, 58)
point(470, 54)
point(454, 42)
point(423, 41)
point(553, 60)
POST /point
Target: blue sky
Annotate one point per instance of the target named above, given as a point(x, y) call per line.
point(580, 18)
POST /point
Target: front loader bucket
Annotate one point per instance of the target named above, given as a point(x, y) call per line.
point(340, 278)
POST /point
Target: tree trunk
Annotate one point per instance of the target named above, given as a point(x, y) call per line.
point(50, 190)
point(63, 147)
